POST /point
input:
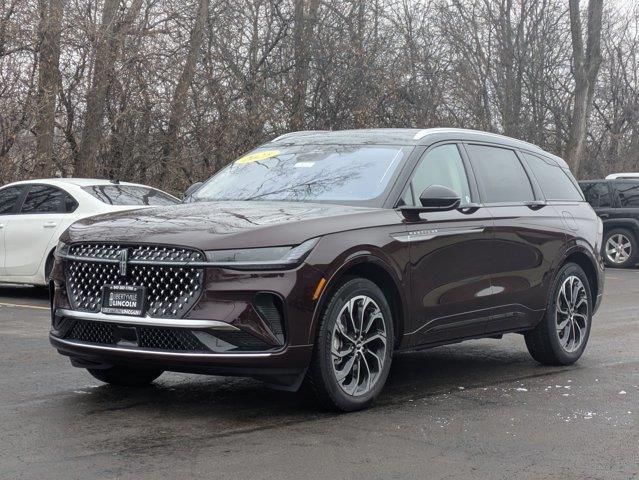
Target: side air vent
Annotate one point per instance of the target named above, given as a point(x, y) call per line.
point(269, 307)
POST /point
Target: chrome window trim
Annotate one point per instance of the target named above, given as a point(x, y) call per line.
point(146, 321)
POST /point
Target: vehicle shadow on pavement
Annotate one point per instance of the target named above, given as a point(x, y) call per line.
point(242, 401)
point(23, 293)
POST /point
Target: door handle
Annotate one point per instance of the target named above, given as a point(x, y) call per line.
point(604, 215)
point(535, 205)
point(49, 225)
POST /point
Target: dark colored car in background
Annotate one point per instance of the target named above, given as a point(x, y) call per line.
point(617, 204)
point(314, 258)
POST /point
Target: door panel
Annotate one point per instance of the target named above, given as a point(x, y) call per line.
point(26, 240)
point(450, 266)
point(10, 198)
point(29, 233)
point(449, 253)
point(526, 244)
point(528, 237)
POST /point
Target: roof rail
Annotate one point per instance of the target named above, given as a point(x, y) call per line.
point(291, 134)
point(422, 133)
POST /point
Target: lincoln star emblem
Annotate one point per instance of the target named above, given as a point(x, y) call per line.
point(124, 257)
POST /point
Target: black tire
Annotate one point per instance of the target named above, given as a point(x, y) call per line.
point(632, 260)
point(124, 376)
point(544, 343)
point(321, 379)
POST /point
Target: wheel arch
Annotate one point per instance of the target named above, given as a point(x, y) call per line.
point(627, 223)
point(381, 274)
point(589, 267)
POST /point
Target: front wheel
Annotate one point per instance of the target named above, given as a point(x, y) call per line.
point(353, 348)
point(562, 335)
point(124, 376)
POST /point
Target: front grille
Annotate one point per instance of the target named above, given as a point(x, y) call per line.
point(147, 337)
point(171, 289)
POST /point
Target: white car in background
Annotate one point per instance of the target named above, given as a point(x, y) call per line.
point(34, 213)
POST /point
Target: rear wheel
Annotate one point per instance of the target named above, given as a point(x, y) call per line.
point(129, 377)
point(354, 347)
point(620, 248)
point(562, 335)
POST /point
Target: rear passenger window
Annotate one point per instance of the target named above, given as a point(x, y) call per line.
point(501, 174)
point(46, 199)
point(553, 180)
point(597, 194)
point(8, 198)
point(628, 193)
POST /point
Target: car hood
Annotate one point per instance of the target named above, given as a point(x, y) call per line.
point(211, 225)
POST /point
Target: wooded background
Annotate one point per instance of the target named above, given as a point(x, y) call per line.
point(166, 92)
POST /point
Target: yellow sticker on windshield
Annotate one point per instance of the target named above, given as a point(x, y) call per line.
point(257, 156)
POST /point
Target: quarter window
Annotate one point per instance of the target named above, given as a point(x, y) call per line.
point(628, 194)
point(597, 194)
point(46, 199)
point(501, 174)
point(8, 198)
point(442, 165)
point(553, 180)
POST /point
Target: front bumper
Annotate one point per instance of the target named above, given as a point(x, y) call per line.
point(226, 307)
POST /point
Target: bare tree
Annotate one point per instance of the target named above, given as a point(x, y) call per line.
point(586, 63)
point(51, 12)
point(305, 17)
point(178, 106)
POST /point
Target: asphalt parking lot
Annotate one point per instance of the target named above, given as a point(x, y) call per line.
point(480, 409)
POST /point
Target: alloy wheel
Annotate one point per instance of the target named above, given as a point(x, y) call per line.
point(618, 248)
point(572, 313)
point(358, 345)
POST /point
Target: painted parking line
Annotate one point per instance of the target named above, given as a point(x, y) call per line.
point(17, 305)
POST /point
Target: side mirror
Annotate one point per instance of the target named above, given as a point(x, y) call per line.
point(435, 198)
point(439, 198)
point(192, 189)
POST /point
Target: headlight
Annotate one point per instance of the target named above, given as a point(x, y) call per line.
point(269, 258)
point(61, 250)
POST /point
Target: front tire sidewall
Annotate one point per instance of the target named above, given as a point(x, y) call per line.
point(563, 357)
point(339, 398)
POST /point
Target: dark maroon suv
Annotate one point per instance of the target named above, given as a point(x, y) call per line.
point(314, 258)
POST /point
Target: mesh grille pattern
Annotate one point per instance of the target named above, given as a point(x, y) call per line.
point(171, 290)
point(243, 340)
point(166, 339)
point(96, 332)
point(148, 337)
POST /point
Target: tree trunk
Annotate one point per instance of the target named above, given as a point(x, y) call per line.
point(178, 104)
point(96, 96)
point(48, 73)
point(302, 35)
point(585, 70)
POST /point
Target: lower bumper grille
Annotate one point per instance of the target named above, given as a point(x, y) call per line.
point(145, 337)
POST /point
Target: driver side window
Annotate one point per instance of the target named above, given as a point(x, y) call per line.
point(442, 165)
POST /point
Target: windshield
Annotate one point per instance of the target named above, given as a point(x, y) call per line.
point(130, 195)
point(329, 173)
